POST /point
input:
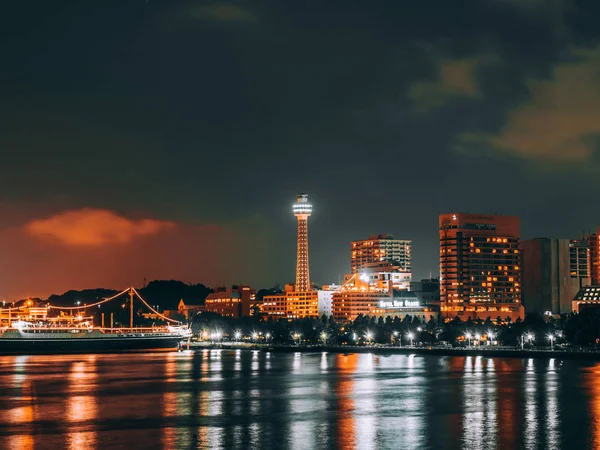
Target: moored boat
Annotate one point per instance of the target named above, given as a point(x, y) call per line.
point(26, 337)
point(76, 334)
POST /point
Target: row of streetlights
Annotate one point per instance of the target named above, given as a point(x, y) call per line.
point(490, 337)
point(530, 338)
point(217, 335)
point(396, 334)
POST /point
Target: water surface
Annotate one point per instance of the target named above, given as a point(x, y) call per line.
point(247, 399)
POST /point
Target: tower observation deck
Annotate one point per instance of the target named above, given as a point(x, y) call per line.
point(302, 210)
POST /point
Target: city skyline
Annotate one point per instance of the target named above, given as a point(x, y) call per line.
point(166, 139)
point(124, 230)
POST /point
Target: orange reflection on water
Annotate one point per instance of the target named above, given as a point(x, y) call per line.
point(591, 381)
point(346, 425)
point(24, 413)
point(82, 406)
point(169, 400)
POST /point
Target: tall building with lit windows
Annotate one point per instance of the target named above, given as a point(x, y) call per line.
point(381, 248)
point(480, 273)
point(593, 242)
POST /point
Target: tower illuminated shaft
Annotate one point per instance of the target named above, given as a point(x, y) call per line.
point(302, 210)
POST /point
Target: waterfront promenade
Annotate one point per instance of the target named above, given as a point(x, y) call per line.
point(488, 351)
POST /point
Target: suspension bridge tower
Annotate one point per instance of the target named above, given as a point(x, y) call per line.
point(302, 210)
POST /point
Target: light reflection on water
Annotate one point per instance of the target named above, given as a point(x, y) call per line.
point(248, 399)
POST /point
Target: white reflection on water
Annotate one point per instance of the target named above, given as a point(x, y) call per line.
point(324, 364)
point(215, 366)
point(238, 436)
point(491, 404)
point(255, 363)
point(297, 365)
point(552, 430)
point(237, 365)
point(365, 403)
point(255, 434)
point(531, 407)
point(254, 402)
point(302, 435)
point(236, 399)
point(409, 395)
point(472, 420)
point(20, 365)
point(479, 421)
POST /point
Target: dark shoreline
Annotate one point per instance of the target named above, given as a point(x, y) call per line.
point(492, 353)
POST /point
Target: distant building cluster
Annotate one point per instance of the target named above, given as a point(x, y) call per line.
point(486, 271)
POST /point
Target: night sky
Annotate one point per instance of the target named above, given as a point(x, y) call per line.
point(167, 139)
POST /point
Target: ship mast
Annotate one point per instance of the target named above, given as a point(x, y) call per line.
point(131, 308)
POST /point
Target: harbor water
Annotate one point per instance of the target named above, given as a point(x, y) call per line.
point(243, 399)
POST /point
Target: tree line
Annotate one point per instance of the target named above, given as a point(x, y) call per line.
point(534, 330)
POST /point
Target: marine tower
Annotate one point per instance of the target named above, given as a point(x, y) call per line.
point(302, 210)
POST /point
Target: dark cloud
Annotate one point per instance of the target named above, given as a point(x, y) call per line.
point(557, 122)
point(199, 113)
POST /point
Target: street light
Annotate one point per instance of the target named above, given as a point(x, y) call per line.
point(297, 337)
point(551, 338)
point(490, 336)
point(215, 336)
point(395, 334)
point(254, 336)
point(268, 336)
point(237, 335)
point(324, 337)
point(477, 337)
point(411, 337)
point(468, 336)
point(354, 337)
point(369, 336)
point(530, 337)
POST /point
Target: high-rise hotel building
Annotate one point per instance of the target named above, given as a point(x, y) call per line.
point(379, 248)
point(480, 266)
